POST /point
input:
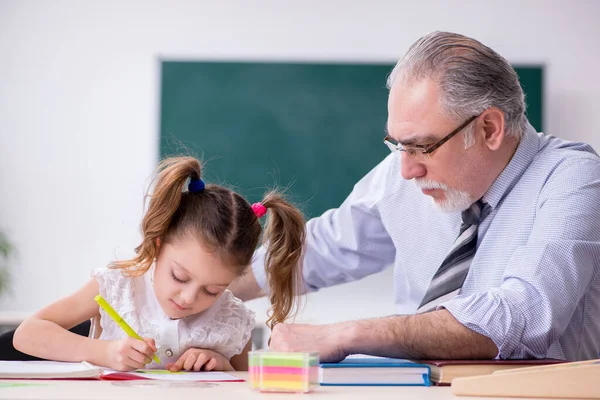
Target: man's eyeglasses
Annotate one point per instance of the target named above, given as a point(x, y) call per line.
point(418, 149)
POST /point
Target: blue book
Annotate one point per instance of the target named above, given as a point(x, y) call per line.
point(360, 370)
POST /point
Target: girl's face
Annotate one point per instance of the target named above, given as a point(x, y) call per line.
point(188, 279)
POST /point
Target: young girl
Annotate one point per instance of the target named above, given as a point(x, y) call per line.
point(174, 292)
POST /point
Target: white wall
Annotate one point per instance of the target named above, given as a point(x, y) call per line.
point(79, 100)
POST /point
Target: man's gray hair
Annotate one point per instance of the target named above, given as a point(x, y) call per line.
point(471, 77)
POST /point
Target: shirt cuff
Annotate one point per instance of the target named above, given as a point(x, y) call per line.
point(490, 314)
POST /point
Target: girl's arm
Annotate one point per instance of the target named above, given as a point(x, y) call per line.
point(45, 334)
point(239, 362)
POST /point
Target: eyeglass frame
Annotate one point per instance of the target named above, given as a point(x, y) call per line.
point(427, 149)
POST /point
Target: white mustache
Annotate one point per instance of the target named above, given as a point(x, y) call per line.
point(429, 184)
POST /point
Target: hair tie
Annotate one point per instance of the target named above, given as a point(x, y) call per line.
point(259, 209)
point(196, 185)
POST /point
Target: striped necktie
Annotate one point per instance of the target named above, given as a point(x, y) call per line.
point(449, 278)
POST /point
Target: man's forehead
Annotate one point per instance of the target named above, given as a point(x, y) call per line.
point(415, 98)
point(412, 112)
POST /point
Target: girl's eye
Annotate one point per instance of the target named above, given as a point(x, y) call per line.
point(210, 293)
point(176, 278)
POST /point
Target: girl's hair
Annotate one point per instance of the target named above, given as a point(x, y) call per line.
point(224, 222)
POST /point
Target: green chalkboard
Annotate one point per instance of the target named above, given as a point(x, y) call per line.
point(316, 128)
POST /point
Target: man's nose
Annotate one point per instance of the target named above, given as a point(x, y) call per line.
point(411, 167)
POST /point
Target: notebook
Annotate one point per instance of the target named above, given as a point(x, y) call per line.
point(84, 370)
point(361, 370)
point(443, 371)
point(570, 380)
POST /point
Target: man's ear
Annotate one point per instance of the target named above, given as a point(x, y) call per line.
point(492, 122)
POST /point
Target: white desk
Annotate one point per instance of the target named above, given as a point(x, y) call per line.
point(156, 390)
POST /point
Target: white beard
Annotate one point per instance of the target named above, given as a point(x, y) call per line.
point(454, 200)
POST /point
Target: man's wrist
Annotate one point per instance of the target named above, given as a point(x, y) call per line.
point(353, 333)
point(374, 336)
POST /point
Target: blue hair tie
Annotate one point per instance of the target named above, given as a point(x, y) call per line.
point(196, 185)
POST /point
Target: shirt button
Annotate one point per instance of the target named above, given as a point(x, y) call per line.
point(169, 353)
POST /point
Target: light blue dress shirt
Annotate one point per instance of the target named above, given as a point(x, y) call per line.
point(534, 284)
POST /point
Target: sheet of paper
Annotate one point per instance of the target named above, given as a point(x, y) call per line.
point(164, 375)
point(34, 369)
point(53, 369)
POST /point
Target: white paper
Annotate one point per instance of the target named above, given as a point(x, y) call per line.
point(46, 369)
point(57, 369)
point(160, 375)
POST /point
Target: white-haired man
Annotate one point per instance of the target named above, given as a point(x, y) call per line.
point(492, 229)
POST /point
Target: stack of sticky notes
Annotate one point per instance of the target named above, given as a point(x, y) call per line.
point(283, 372)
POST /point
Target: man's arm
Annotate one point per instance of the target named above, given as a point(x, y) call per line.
point(432, 335)
point(435, 334)
point(246, 288)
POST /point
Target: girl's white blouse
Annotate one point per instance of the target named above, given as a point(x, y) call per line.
point(225, 327)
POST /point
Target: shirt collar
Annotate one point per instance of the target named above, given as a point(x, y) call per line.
point(526, 151)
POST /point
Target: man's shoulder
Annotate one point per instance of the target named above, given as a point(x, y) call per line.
point(558, 150)
point(560, 156)
point(562, 165)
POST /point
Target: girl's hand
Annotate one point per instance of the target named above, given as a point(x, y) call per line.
point(200, 359)
point(129, 354)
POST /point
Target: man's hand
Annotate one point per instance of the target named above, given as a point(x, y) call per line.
point(195, 359)
point(328, 340)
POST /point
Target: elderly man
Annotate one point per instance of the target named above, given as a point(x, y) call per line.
point(492, 228)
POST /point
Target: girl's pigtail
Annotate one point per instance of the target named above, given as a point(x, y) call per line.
point(172, 174)
point(284, 237)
